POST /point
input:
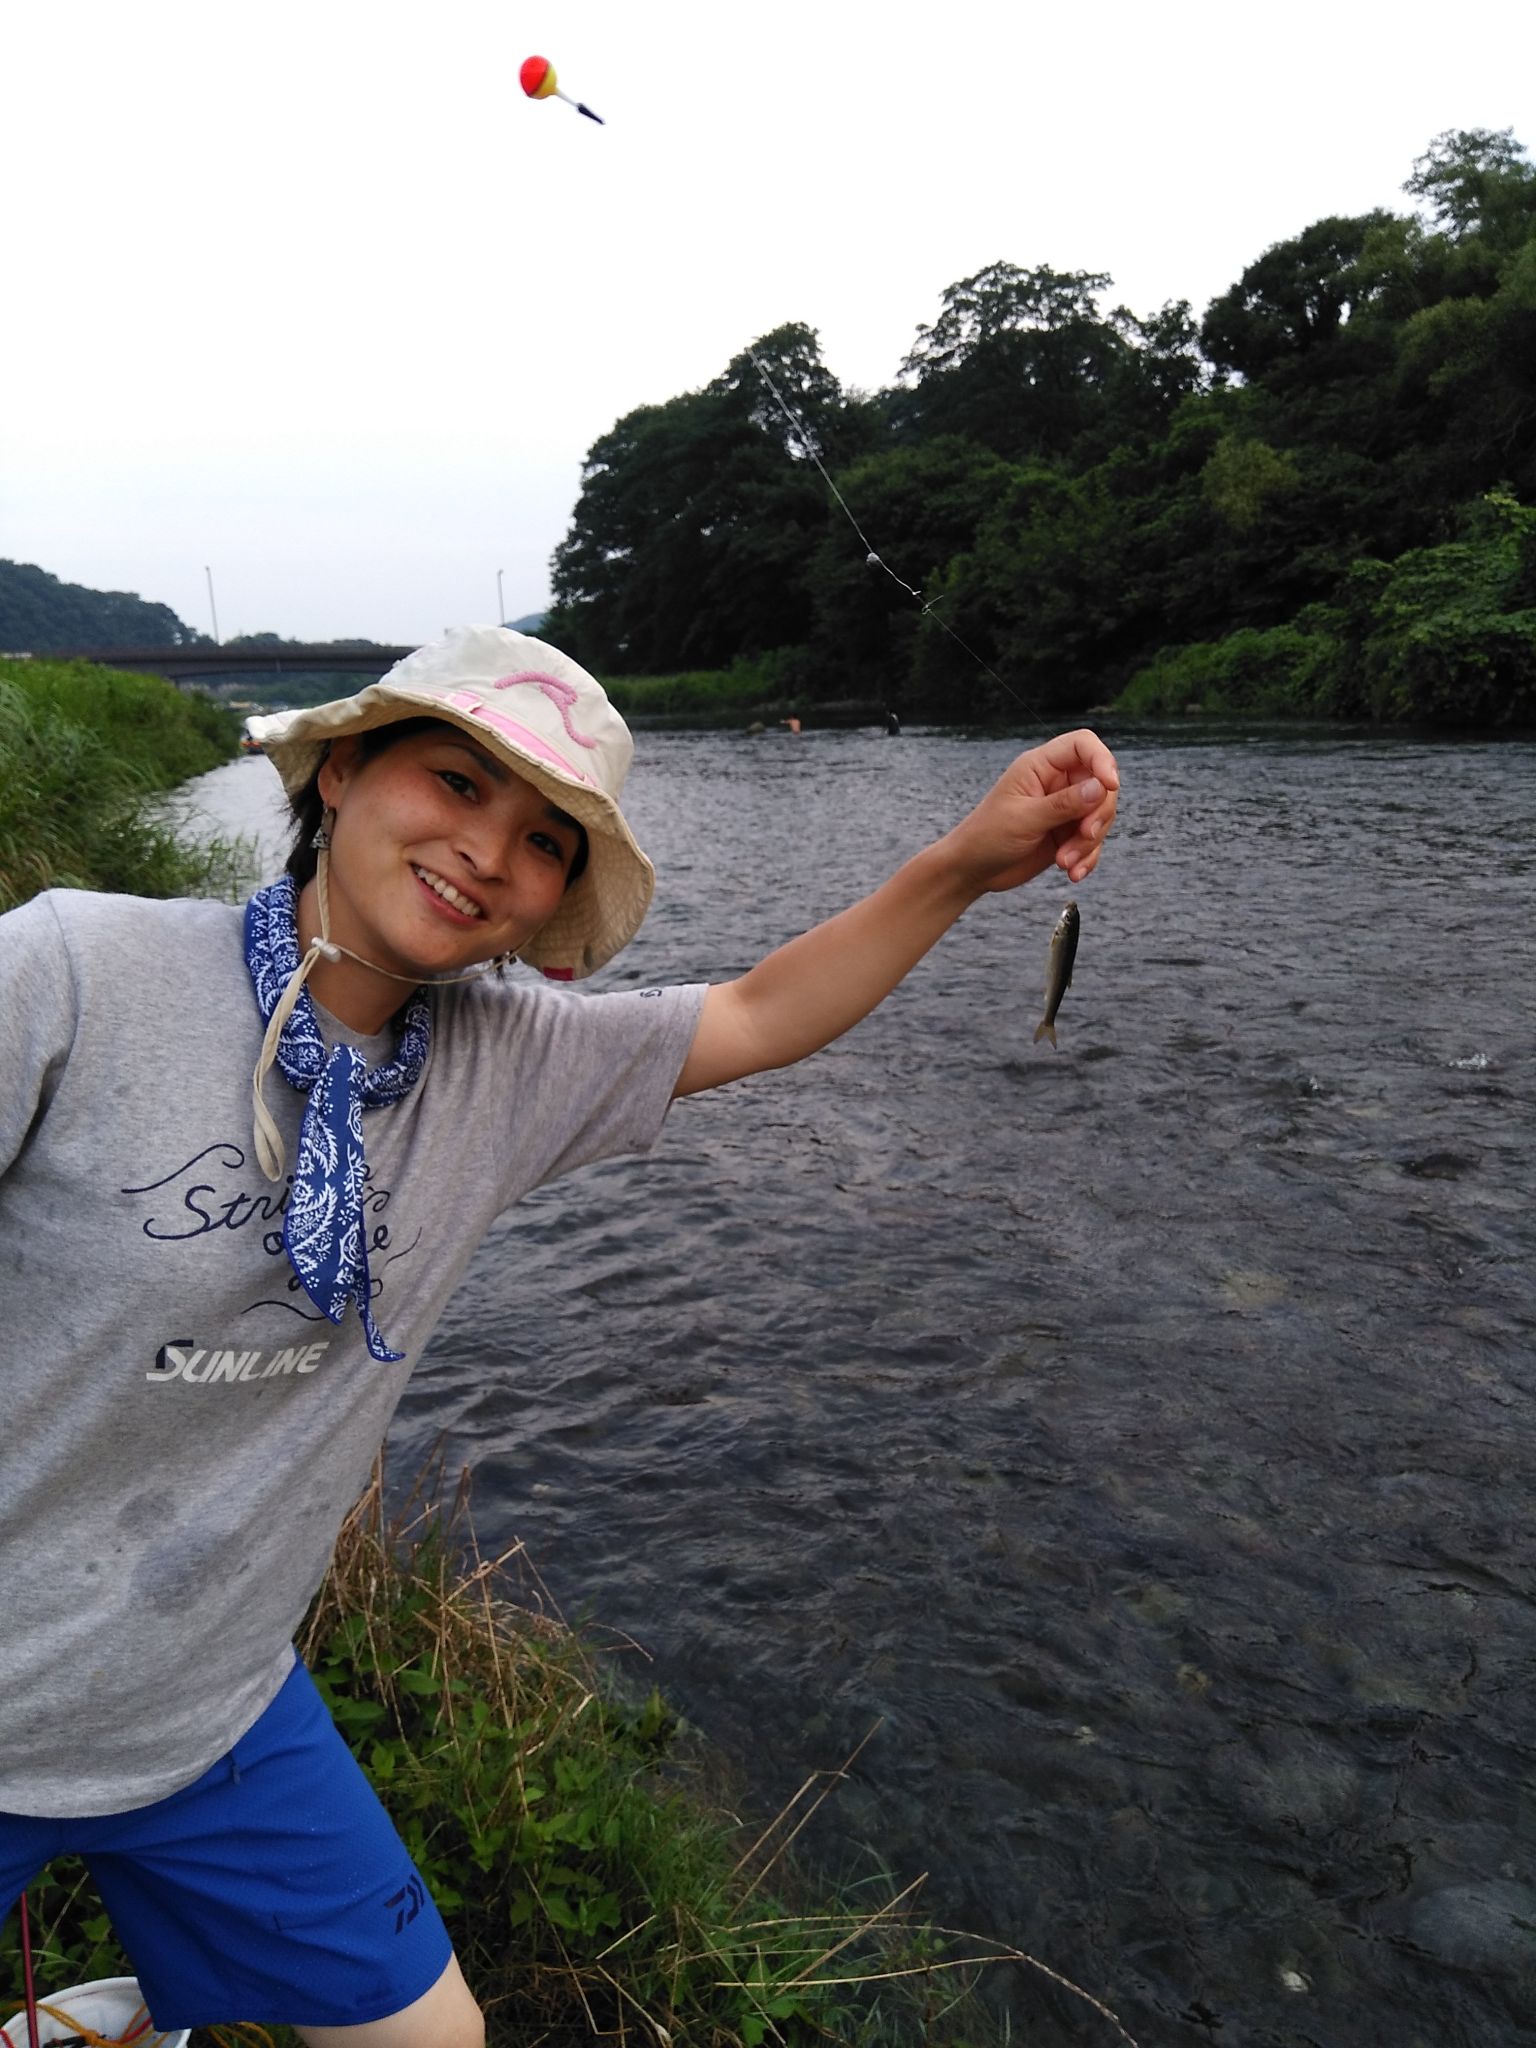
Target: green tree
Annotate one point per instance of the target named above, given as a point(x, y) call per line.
point(1243, 476)
point(1017, 360)
point(1293, 301)
point(781, 386)
point(697, 519)
point(925, 502)
point(1024, 363)
point(1037, 596)
point(1446, 635)
point(1152, 377)
point(647, 537)
point(1467, 380)
point(1478, 181)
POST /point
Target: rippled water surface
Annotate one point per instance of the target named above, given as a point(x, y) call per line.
point(1142, 1432)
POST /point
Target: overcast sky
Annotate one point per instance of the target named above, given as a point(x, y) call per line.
point(311, 294)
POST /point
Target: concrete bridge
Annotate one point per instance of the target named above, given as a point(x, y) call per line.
point(182, 664)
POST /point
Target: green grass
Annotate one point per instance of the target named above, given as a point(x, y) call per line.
point(85, 753)
point(1255, 673)
point(766, 685)
point(714, 692)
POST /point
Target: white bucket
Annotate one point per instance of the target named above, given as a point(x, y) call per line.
point(109, 2007)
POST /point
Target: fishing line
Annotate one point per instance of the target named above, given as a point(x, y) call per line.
point(872, 556)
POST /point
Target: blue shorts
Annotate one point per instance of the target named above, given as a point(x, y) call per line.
point(274, 1889)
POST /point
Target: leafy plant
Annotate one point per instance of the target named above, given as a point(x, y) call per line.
point(1443, 636)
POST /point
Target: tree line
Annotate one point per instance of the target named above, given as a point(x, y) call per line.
point(1320, 497)
point(40, 614)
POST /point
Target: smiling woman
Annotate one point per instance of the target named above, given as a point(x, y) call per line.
point(468, 809)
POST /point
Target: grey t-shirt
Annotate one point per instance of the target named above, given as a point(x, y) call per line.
point(181, 1430)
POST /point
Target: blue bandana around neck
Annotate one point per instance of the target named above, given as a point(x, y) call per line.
point(323, 1232)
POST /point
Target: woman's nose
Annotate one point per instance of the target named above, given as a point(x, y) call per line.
point(485, 845)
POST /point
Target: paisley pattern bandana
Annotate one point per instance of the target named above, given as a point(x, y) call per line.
point(323, 1231)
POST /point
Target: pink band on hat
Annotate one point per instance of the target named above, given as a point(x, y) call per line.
point(520, 736)
point(559, 692)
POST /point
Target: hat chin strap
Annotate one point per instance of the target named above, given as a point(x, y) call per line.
point(269, 1142)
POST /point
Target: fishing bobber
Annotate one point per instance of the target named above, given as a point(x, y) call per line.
point(537, 77)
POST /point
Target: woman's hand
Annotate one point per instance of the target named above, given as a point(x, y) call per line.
point(1052, 808)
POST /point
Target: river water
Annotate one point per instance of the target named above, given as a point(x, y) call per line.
point(1141, 1433)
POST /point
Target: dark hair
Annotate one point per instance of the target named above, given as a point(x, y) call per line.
point(308, 805)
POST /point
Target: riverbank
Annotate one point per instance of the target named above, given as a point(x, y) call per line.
point(85, 752)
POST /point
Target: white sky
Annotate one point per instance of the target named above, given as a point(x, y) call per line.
point(310, 293)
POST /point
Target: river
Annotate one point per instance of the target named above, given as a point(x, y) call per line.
point(1141, 1433)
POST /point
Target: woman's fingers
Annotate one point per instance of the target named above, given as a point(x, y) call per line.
point(1077, 853)
point(1077, 755)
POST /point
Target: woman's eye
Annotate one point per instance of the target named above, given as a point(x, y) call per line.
point(459, 784)
point(546, 844)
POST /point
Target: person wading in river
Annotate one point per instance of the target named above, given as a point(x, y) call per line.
point(244, 1159)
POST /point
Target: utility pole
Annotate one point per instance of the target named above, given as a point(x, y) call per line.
point(212, 606)
point(501, 603)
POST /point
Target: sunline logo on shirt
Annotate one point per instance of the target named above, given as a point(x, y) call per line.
point(184, 1359)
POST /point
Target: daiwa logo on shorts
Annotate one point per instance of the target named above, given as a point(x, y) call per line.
point(184, 1359)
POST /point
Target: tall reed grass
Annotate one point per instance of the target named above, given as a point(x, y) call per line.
point(84, 754)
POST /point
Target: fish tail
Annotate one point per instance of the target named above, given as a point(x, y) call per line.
point(1045, 1031)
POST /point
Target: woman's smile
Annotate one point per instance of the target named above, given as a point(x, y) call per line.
point(463, 909)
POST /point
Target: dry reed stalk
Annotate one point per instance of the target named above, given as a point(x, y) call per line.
point(833, 1778)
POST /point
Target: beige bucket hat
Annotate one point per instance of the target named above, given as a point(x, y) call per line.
point(541, 713)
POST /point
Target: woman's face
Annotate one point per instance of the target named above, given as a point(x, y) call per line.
point(441, 856)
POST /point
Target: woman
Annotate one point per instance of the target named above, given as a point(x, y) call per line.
point(215, 1292)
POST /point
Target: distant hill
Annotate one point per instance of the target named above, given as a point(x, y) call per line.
point(39, 614)
point(530, 624)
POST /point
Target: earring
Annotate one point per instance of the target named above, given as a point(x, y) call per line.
point(322, 838)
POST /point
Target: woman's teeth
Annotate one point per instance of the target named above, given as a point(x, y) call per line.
point(447, 891)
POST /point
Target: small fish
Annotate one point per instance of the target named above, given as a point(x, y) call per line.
point(1058, 972)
